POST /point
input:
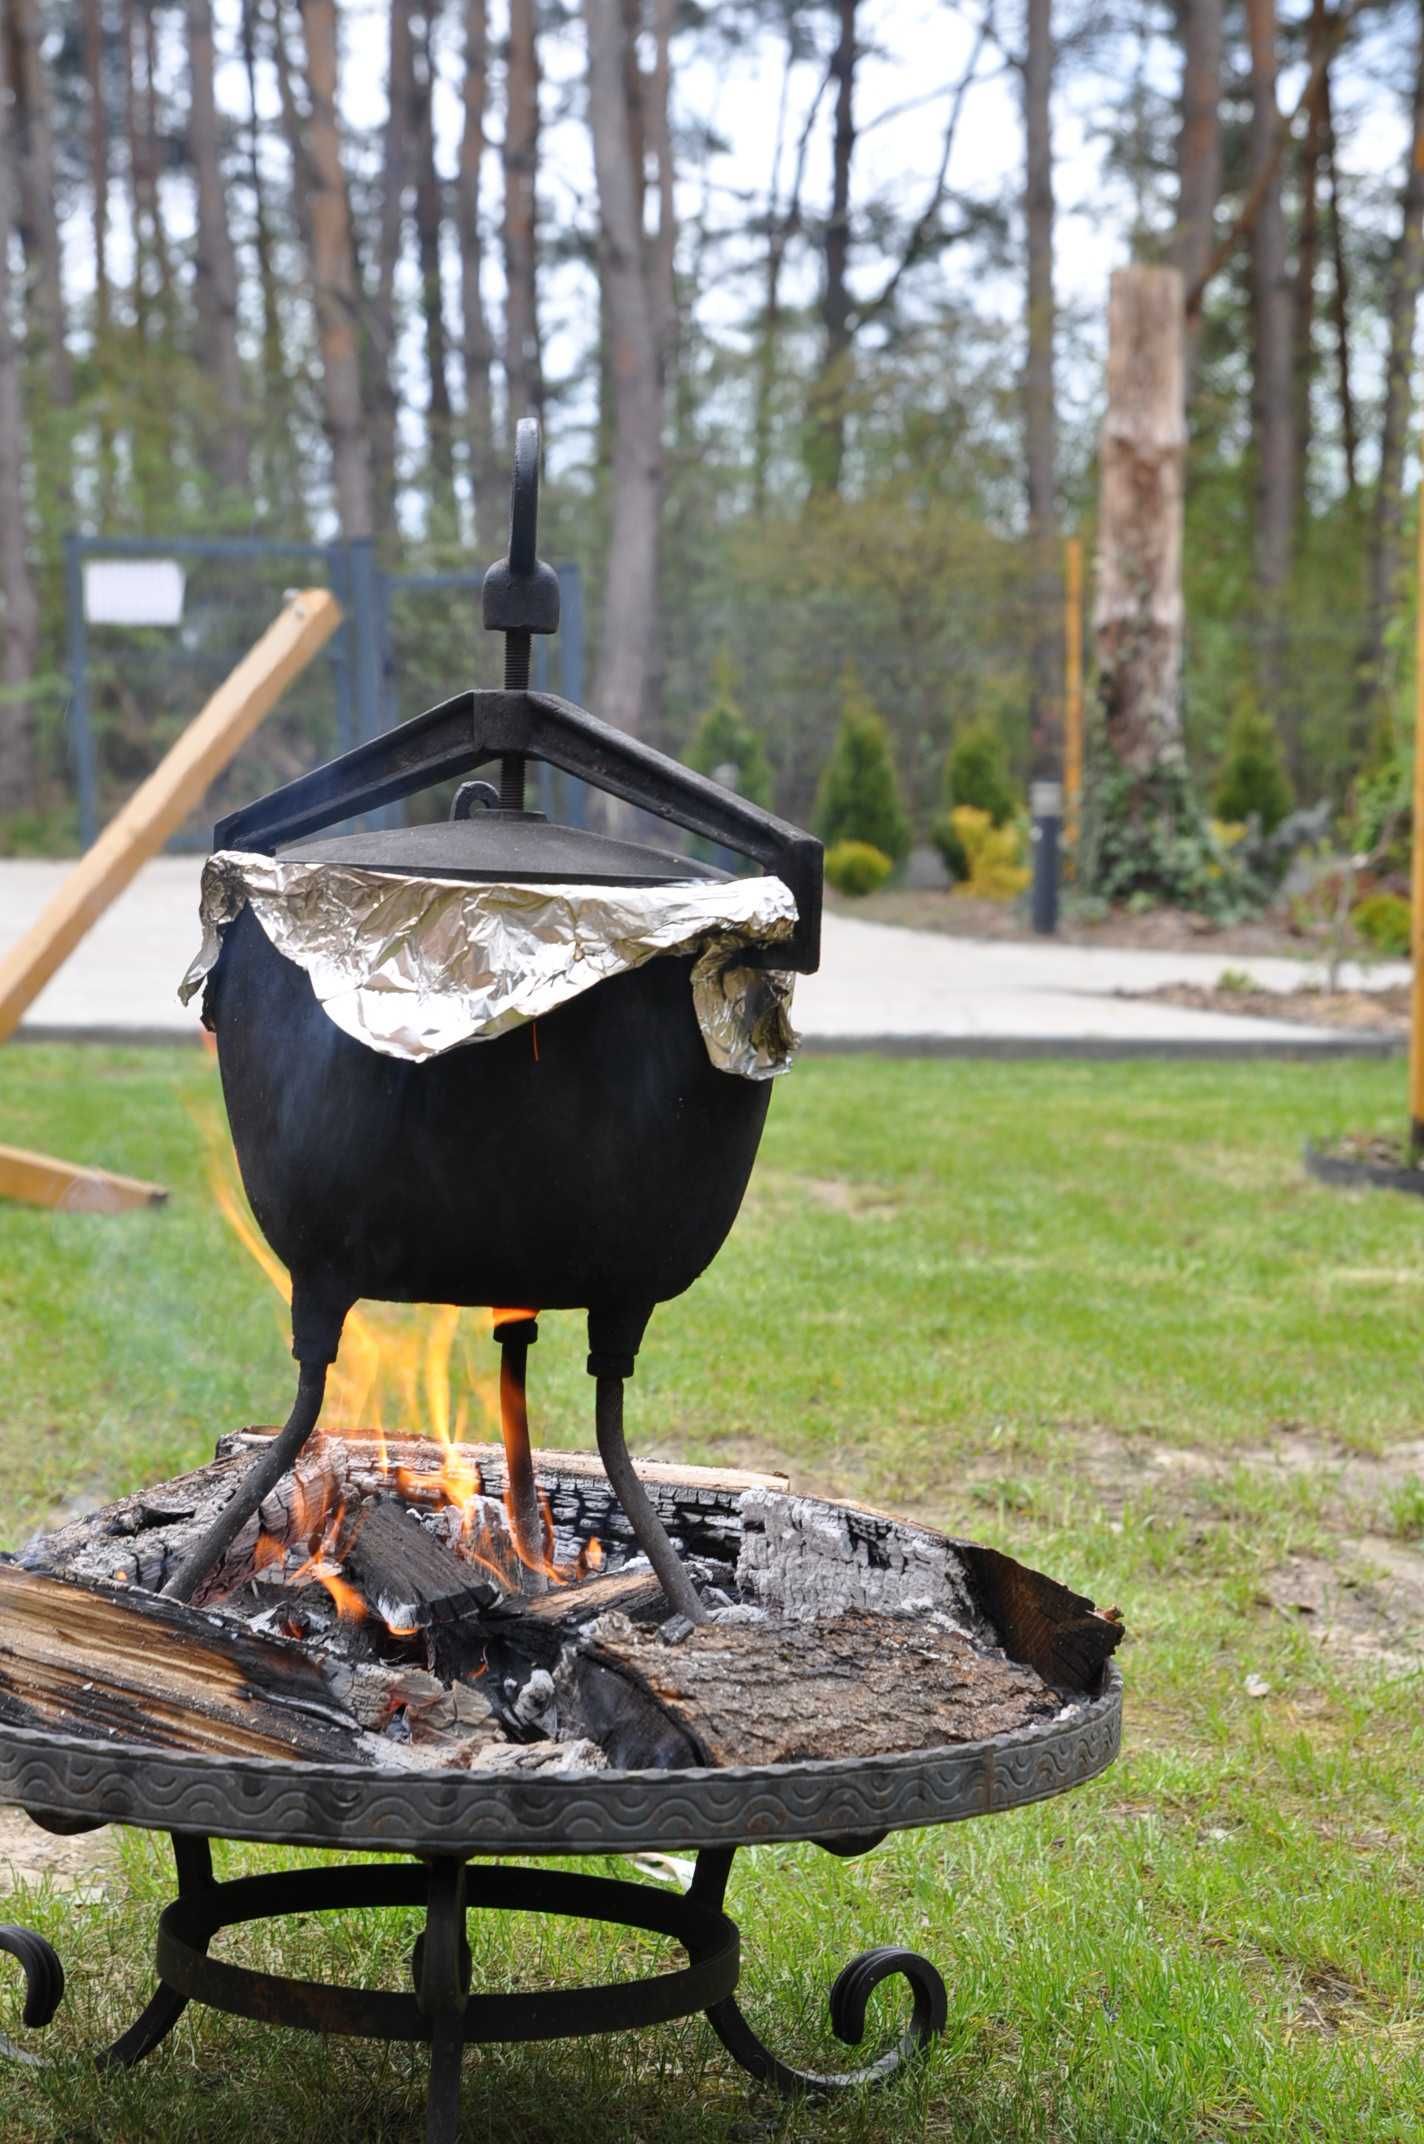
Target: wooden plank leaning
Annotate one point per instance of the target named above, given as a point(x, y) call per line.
point(137, 832)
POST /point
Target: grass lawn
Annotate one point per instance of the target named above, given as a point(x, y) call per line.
point(1094, 1314)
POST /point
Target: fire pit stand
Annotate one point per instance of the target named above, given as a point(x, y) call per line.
point(744, 1806)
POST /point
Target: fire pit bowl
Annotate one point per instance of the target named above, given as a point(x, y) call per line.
point(846, 1805)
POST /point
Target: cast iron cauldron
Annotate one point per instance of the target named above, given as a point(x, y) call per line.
point(602, 1174)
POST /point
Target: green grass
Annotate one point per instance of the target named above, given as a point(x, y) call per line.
point(1071, 1309)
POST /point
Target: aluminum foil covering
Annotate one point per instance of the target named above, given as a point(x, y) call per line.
point(416, 966)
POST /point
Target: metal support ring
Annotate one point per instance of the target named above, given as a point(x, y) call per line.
point(188, 1927)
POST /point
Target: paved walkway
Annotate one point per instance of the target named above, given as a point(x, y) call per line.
point(878, 987)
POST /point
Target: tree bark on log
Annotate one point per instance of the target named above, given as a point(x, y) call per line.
point(779, 1693)
point(1138, 615)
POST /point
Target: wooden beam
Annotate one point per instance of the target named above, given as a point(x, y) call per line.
point(40, 1180)
point(160, 805)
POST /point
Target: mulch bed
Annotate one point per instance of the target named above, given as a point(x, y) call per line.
point(1380, 1012)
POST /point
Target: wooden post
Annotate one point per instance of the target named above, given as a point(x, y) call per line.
point(1416, 935)
point(162, 803)
point(1138, 615)
point(1072, 683)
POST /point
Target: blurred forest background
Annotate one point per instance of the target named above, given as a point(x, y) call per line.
point(811, 299)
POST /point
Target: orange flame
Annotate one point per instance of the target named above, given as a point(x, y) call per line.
point(397, 1368)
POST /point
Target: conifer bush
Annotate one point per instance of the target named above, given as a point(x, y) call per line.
point(857, 867)
point(724, 738)
point(1253, 783)
point(859, 796)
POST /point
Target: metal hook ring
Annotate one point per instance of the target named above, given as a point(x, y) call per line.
point(524, 498)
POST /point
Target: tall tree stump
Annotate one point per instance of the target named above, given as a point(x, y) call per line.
point(1137, 620)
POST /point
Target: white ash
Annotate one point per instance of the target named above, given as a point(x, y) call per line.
point(803, 1559)
point(539, 1758)
point(534, 1706)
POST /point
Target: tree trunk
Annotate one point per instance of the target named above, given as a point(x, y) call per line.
point(36, 216)
point(429, 226)
point(1137, 620)
point(523, 362)
point(1273, 412)
point(1312, 161)
point(293, 128)
point(98, 115)
point(1040, 401)
point(98, 160)
point(830, 391)
point(334, 275)
point(474, 322)
point(1198, 154)
point(1387, 564)
point(150, 233)
point(281, 455)
point(216, 263)
point(395, 177)
point(1340, 306)
point(20, 631)
point(631, 311)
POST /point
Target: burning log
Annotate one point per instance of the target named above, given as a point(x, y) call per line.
point(132, 1667)
point(408, 1578)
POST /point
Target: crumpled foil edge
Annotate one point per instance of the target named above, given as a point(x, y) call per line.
point(413, 967)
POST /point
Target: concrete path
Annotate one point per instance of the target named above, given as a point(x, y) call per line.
point(878, 987)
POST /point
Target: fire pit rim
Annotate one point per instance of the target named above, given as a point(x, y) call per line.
point(268, 1799)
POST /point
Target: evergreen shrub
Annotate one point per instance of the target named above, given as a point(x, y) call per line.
point(859, 796)
point(1253, 782)
point(857, 867)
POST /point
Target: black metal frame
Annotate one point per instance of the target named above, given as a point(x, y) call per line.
point(443, 2012)
point(477, 727)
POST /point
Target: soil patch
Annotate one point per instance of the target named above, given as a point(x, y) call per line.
point(1163, 930)
point(31, 1856)
point(1367, 1604)
point(1376, 1012)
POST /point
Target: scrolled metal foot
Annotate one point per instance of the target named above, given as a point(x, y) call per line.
point(849, 1998)
point(44, 1983)
point(44, 1977)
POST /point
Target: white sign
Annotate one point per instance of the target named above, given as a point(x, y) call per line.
point(133, 591)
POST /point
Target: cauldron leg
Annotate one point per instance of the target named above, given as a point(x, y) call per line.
point(516, 1335)
point(637, 1507)
point(260, 1479)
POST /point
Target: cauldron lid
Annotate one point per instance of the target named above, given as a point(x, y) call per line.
point(502, 847)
